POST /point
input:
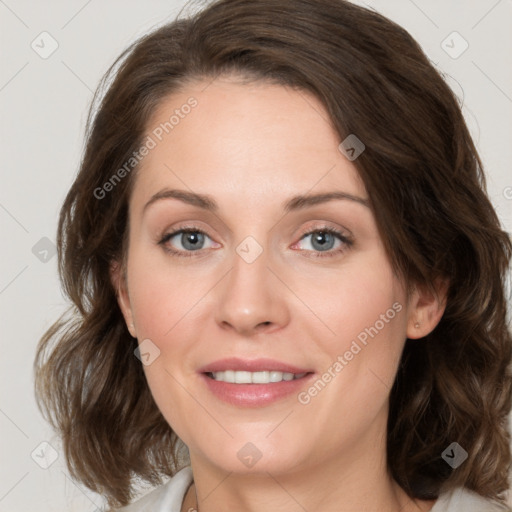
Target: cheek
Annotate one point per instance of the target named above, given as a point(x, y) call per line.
point(363, 312)
point(163, 307)
point(166, 302)
point(162, 295)
point(355, 301)
point(366, 312)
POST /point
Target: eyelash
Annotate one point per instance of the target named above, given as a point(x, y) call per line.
point(316, 254)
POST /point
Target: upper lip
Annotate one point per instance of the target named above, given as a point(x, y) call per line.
point(251, 365)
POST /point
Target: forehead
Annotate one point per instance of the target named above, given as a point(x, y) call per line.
point(263, 140)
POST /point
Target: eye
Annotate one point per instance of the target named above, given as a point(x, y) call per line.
point(185, 241)
point(189, 240)
point(323, 240)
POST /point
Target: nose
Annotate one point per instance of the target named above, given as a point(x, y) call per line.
point(251, 299)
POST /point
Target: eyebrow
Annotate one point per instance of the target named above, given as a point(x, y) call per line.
point(299, 202)
point(305, 201)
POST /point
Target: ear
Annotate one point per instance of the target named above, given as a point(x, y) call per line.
point(426, 308)
point(118, 280)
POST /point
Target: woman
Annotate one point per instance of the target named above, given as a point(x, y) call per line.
point(287, 278)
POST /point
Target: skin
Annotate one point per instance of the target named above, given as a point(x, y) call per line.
point(251, 147)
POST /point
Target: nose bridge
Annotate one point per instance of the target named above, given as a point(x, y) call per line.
point(249, 298)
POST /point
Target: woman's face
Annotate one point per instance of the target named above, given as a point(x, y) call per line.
point(277, 276)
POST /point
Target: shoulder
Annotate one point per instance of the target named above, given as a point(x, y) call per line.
point(165, 498)
point(462, 499)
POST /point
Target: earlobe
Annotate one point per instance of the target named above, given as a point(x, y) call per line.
point(426, 308)
point(118, 281)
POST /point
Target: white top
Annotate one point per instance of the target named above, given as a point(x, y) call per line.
point(169, 498)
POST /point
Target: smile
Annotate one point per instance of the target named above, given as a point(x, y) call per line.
point(261, 377)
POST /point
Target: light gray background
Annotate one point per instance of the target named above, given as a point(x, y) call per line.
point(43, 106)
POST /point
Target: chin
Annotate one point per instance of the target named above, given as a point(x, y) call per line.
point(255, 458)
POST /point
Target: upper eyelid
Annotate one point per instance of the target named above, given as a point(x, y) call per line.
point(303, 232)
point(340, 230)
point(168, 234)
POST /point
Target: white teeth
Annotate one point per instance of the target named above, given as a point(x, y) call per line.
point(243, 377)
point(229, 376)
point(260, 377)
point(276, 376)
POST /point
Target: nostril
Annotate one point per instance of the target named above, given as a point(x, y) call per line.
point(265, 327)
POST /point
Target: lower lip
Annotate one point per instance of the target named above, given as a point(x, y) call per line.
point(255, 395)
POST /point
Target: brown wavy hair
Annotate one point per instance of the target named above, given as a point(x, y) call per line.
point(427, 190)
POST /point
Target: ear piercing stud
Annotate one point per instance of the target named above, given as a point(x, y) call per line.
point(417, 325)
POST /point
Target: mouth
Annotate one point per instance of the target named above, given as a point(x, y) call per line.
point(254, 383)
point(261, 377)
